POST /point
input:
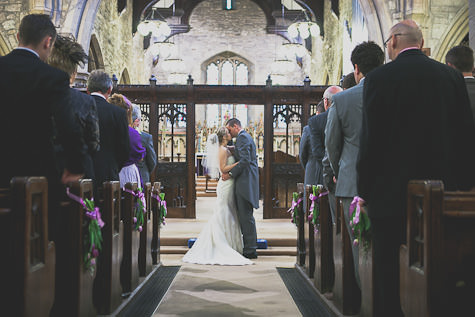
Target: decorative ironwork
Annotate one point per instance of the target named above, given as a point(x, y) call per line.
point(285, 176)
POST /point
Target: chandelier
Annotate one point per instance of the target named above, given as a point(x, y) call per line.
point(303, 29)
point(154, 26)
point(163, 49)
point(292, 50)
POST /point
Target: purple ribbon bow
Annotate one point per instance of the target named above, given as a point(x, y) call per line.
point(137, 194)
point(294, 204)
point(355, 204)
point(94, 214)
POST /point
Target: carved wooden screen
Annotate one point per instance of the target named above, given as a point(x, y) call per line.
point(162, 105)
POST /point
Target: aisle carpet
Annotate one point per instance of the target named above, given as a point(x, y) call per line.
point(206, 290)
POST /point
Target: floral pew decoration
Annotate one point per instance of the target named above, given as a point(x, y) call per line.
point(314, 211)
point(163, 207)
point(93, 236)
point(360, 223)
point(295, 208)
point(140, 208)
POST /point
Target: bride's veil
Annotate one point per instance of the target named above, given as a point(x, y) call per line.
point(211, 160)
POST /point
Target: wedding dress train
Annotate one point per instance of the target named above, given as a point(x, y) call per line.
point(220, 241)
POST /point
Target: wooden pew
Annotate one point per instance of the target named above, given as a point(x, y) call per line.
point(437, 275)
point(324, 275)
point(74, 284)
point(309, 233)
point(346, 293)
point(155, 210)
point(365, 270)
point(27, 269)
point(145, 257)
point(129, 270)
point(300, 228)
point(107, 289)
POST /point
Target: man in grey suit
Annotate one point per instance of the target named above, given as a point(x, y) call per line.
point(461, 58)
point(246, 175)
point(147, 165)
point(342, 133)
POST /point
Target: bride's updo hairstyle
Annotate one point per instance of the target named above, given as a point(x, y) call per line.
point(221, 133)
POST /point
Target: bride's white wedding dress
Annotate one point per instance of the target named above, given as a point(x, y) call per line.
point(220, 241)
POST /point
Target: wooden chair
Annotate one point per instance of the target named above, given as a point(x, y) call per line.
point(437, 276)
point(107, 289)
point(27, 269)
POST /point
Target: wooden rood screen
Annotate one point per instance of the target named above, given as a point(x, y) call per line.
point(173, 108)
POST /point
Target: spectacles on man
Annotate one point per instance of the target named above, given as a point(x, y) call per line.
point(387, 41)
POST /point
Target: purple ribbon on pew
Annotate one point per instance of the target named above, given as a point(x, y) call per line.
point(160, 202)
point(294, 204)
point(92, 214)
point(137, 194)
point(314, 199)
point(355, 204)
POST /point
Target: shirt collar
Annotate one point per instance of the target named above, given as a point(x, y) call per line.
point(98, 94)
point(469, 77)
point(409, 48)
point(29, 50)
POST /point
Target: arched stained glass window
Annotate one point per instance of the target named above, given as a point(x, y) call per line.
point(227, 73)
point(242, 73)
point(212, 74)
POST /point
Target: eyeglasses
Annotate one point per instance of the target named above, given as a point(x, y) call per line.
point(387, 41)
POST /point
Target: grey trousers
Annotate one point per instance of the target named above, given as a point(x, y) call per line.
point(245, 214)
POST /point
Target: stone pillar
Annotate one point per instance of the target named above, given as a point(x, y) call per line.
point(471, 23)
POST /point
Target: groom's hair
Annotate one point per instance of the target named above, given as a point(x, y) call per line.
point(233, 121)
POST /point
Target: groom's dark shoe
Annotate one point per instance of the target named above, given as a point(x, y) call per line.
point(250, 255)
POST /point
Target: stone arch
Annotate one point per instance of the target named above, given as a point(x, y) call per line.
point(228, 55)
point(124, 77)
point(96, 60)
point(376, 24)
point(454, 34)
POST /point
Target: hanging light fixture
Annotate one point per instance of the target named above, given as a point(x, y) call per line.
point(303, 29)
point(154, 24)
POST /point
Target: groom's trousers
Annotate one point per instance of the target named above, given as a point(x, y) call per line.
point(248, 225)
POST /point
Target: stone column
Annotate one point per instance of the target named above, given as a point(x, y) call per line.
point(471, 23)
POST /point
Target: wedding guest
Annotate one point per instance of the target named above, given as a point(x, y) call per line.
point(129, 172)
point(413, 128)
point(113, 129)
point(147, 165)
point(66, 55)
point(348, 81)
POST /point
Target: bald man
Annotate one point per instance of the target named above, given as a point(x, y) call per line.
point(417, 124)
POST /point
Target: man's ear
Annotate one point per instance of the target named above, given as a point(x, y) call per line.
point(109, 91)
point(48, 42)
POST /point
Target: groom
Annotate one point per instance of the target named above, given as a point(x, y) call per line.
point(246, 175)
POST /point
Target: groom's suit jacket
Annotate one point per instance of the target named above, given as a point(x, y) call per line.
point(342, 138)
point(246, 173)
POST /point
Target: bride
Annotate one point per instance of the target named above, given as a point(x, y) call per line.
point(220, 241)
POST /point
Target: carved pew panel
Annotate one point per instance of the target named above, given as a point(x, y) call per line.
point(436, 263)
point(155, 211)
point(27, 270)
point(309, 233)
point(145, 258)
point(365, 269)
point(346, 293)
point(300, 228)
point(324, 275)
point(129, 270)
point(107, 288)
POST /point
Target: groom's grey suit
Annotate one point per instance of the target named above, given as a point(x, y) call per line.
point(246, 175)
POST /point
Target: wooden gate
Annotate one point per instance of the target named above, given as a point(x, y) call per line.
point(174, 106)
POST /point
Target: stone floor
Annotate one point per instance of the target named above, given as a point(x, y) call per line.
point(207, 290)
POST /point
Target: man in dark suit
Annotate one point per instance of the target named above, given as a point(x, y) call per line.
point(35, 98)
point(113, 129)
point(66, 55)
point(147, 165)
point(414, 127)
point(317, 126)
point(246, 187)
point(461, 58)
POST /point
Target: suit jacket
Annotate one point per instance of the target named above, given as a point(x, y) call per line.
point(147, 165)
point(308, 158)
point(470, 83)
point(317, 140)
point(417, 124)
point(246, 173)
point(35, 99)
point(115, 144)
point(342, 138)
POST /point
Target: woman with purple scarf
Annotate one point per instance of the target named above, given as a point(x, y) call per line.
point(129, 172)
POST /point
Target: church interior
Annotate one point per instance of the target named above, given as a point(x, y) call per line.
point(191, 65)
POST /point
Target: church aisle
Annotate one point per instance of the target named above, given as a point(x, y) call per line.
point(211, 290)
